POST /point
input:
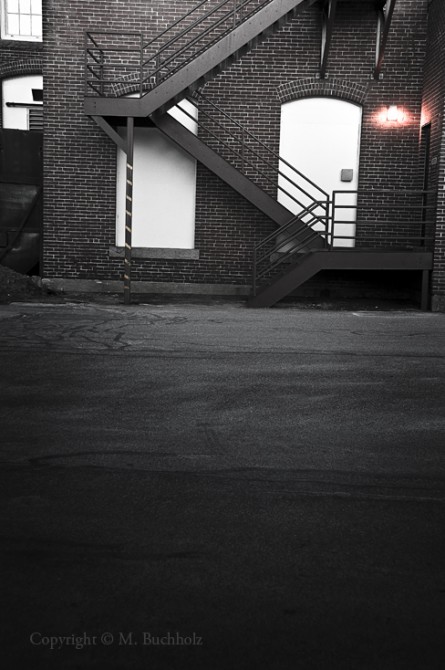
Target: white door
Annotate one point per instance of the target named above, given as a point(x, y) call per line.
point(321, 138)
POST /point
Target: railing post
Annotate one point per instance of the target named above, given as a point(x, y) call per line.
point(102, 75)
point(332, 220)
point(85, 63)
point(128, 211)
point(327, 206)
point(254, 272)
point(243, 155)
point(141, 66)
point(157, 66)
point(235, 12)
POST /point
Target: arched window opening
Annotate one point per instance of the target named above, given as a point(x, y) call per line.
point(22, 103)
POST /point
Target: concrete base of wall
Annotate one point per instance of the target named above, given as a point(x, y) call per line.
point(438, 303)
point(114, 286)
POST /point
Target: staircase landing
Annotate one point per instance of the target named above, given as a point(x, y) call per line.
point(313, 262)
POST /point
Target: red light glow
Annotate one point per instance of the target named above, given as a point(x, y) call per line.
point(392, 116)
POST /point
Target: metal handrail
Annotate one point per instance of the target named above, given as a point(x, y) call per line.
point(175, 23)
point(271, 252)
point(271, 151)
point(237, 9)
point(369, 207)
point(321, 219)
point(197, 23)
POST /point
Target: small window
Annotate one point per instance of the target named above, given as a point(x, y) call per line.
point(21, 19)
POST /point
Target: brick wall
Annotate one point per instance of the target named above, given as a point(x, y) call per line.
point(80, 159)
point(432, 112)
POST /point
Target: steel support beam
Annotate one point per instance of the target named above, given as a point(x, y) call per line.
point(327, 18)
point(384, 18)
point(128, 211)
point(110, 131)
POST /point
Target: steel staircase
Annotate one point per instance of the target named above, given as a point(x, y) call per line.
point(127, 75)
point(246, 164)
point(169, 68)
point(282, 261)
point(193, 49)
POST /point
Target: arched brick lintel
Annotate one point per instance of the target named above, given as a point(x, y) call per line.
point(21, 67)
point(329, 88)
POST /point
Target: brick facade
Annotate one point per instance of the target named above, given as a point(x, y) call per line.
point(80, 161)
point(433, 113)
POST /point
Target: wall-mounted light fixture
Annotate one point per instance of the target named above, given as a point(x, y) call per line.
point(394, 115)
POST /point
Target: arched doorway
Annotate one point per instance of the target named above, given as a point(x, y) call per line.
point(321, 138)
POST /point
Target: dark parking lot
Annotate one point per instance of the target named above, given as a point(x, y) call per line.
point(205, 486)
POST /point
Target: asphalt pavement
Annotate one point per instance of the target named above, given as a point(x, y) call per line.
point(217, 488)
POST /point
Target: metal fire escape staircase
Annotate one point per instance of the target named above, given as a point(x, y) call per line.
point(129, 76)
point(189, 52)
point(251, 168)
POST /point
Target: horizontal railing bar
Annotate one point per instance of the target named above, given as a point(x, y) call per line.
point(387, 190)
point(362, 222)
point(372, 207)
point(115, 33)
point(120, 49)
point(118, 81)
point(122, 66)
point(399, 238)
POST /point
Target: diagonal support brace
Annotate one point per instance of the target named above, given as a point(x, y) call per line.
point(112, 134)
point(327, 18)
point(384, 18)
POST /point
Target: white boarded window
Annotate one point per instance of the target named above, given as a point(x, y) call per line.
point(164, 190)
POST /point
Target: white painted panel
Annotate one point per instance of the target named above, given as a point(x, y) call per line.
point(320, 137)
point(18, 89)
point(164, 192)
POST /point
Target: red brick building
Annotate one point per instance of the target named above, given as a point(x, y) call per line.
point(285, 104)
